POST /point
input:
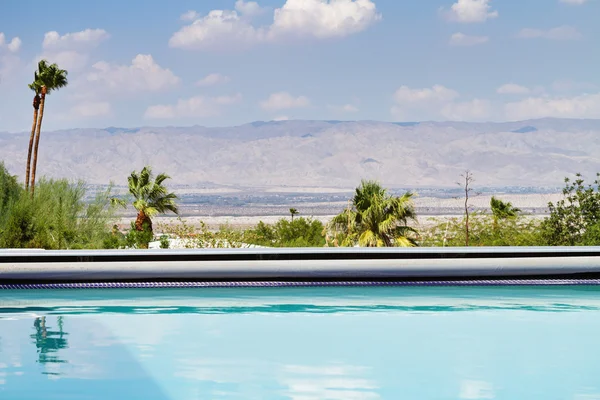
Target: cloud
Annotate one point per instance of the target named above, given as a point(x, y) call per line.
point(460, 39)
point(281, 118)
point(248, 8)
point(13, 46)
point(568, 85)
point(473, 110)
point(346, 108)
point(581, 106)
point(435, 103)
point(512, 88)
point(85, 39)
point(438, 93)
point(194, 107)
point(71, 51)
point(470, 11)
point(318, 19)
point(324, 19)
point(284, 101)
point(189, 16)
point(560, 33)
point(89, 110)
point(213, 79)
point(574, 2)
point(142, 75)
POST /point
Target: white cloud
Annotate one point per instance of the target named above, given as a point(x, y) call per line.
point(142, 75)
point(194, 107)
point(512, 88)
point(71, 51)
point(473, 110)
point(281, 118)
point(574, 2)
point(323, 18)
point(560, 33)
point(86, 39)
point(283, 101)
point(469, 11)
point(229, 29)
point(582, 106)
point(90, 110)
point(346, 108)
point(189, 16)
point(438, 93)
point(248, 8)
point(13, 46)
point(460, 39)
point(213, 79)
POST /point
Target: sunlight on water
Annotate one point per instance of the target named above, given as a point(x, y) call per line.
point(344, 343)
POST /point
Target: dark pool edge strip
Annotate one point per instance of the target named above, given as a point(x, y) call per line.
point(276, 284)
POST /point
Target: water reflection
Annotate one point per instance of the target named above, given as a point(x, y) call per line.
point(48, 342)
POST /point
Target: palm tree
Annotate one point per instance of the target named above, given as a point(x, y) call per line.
point(36, 86)
point(150, 197)
point(51, 78)
point(503, 210)
point(375, 219)
point(293, 211)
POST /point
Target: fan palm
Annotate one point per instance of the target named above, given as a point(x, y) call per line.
point(49, 78)
point(150, 197)
point(375, 219)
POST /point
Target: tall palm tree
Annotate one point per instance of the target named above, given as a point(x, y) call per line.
point(51, 78)
point(375, 219)
point(150, 197)
point(36, 86)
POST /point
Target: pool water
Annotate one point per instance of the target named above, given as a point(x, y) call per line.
point(304, 343)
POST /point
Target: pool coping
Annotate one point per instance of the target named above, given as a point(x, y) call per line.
point(306, 264)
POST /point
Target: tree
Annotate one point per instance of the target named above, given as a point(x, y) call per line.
point(375, 219)
point(49, 78)
point(150, 197)
point(502, 210)
point(36, 86)
point(293, 211)
point(468, 180)
point(575, 219)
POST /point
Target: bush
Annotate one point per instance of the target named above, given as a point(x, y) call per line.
point(485, 230)
point(301, 232)
point(135, 239)
point(164, 242)
point(57, 218)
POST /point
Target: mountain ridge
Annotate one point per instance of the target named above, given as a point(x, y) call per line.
point(303, 153)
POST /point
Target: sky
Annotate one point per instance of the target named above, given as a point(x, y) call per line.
point(226, 62)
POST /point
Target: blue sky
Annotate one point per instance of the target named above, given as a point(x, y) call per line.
point(154, 62)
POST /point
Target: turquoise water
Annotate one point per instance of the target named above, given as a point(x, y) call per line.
point(322, 343)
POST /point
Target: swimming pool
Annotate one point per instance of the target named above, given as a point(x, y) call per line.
point(301, 343)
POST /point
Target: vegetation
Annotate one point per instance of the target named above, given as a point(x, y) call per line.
point(57, 217)
point(376, 219)
point(301, 232)
point(293, 211)
point(47, 79)
point(150, 197)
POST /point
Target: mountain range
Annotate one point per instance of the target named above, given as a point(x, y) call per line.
point(321, 154)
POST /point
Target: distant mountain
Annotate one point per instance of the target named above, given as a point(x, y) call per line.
point(322, 153)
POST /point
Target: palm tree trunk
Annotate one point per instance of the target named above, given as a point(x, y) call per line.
point(36, 107)
point(139, 221)
point(37, 139)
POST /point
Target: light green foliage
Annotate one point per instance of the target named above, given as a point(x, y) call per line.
point(503, 210)
point(138, 239)
point(376, 219)
point(484, 230)
point(575, 220)
point(57, 218)
point(164, 242)
point(10, 191)
point(301, 232)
